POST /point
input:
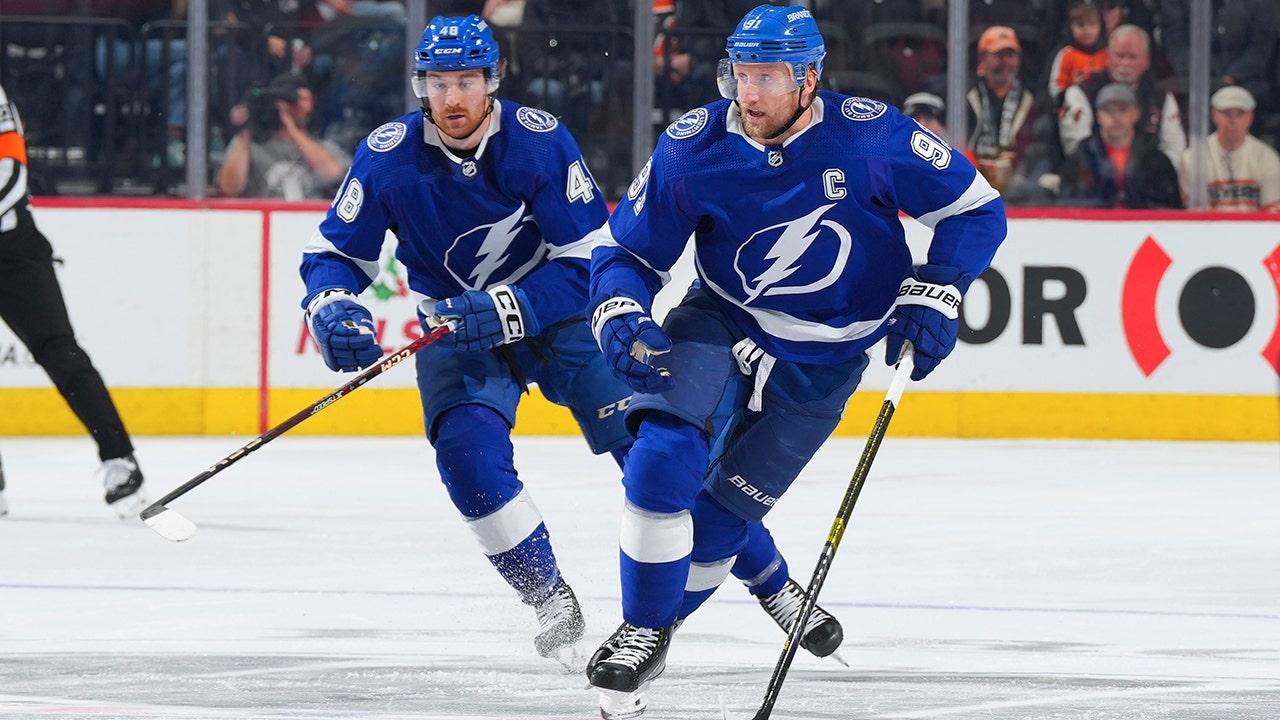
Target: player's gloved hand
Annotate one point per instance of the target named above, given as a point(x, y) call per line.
point(927, 314)
point(486, 319)
point(630, 340)
point(344, 330)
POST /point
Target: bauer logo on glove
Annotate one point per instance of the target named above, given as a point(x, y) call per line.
point(943, 298)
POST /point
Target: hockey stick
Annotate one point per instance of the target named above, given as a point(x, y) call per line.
point(896, 386)
point(172, 526)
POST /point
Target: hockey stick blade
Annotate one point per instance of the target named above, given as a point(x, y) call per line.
point(906, 363)
point(168, 523)
point(176, 528)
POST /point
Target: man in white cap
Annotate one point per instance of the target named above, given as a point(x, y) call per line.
point(1243, 172)
point(930, 111)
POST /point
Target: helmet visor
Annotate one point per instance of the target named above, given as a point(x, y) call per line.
point(463, 83)
point(773, 79)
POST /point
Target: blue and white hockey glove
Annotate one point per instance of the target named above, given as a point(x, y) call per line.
point(630, 340)
point(344, 330)
point(927, 314)
point(487, 318)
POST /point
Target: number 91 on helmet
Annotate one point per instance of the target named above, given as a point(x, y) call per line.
point(771, 34)
point(455, 44)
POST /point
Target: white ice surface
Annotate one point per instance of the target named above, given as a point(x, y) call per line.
point(331, 578)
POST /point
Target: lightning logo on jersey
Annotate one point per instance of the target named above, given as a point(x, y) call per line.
point(790, 251)
point(478, 255)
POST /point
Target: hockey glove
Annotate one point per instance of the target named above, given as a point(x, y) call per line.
point(344, 330)
point(488, 318)
point(927, 314)
point(630, 340)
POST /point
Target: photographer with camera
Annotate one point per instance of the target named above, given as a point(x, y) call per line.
point(271, 155)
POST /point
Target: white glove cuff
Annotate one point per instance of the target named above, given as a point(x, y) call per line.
point(509, 315)
point(609, 309)
point(332, 295)
point(943, 298)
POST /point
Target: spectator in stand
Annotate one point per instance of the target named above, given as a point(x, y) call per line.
point(1129, 64)
point(1085, 55)
point(1243, 172)
point(272, 155)
point(1002, 113)
point(278, 46)
point(1119, 166)
point(1241, 43)
point(930, 111)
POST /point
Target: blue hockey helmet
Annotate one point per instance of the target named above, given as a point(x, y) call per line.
point(456, 43)
point(769, 34)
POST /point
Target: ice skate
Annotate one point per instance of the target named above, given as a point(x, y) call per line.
point(4, 505)
point(561, 627)
point(625, 665)
point(123, 481)
point(822, 633)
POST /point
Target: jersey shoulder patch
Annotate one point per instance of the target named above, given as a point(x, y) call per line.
point(862, 109)
point(688, 124)
point(536, 120)
point(387, 136)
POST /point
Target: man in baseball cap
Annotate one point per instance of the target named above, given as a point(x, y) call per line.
point(1119, 166)
point(997, 38)
point(1233, 97)
point(1243, 173)
point(929, 110)
point(1115, 93)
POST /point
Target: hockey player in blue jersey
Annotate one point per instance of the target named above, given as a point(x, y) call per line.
point(494, 211)
point(792, 197)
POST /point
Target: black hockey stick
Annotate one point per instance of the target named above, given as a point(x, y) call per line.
point(896, 386)
point(172, 526)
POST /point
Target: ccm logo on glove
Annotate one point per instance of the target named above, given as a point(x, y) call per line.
point(509, 310)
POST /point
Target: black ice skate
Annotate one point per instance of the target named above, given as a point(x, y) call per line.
point(625, 665)
point(561, 626)
point(122, 480)
point(822, 634)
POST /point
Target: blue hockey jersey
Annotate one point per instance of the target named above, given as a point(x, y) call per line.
point(522, 209)
point(801, 243)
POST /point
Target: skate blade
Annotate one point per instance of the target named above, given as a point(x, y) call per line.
point(617, 705)
point(835, 655)
point(571, 658)
point(128, 507)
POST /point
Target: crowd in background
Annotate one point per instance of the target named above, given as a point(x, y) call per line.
point(1068, 103)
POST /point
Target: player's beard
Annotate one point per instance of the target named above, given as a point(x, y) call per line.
point(772, 123)
point(764, 127)
point(460, 122)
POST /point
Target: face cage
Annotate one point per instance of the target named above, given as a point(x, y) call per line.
point(419, 81)
point(728, 83)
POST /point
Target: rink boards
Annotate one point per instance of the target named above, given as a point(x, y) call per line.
point(1089, 325)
